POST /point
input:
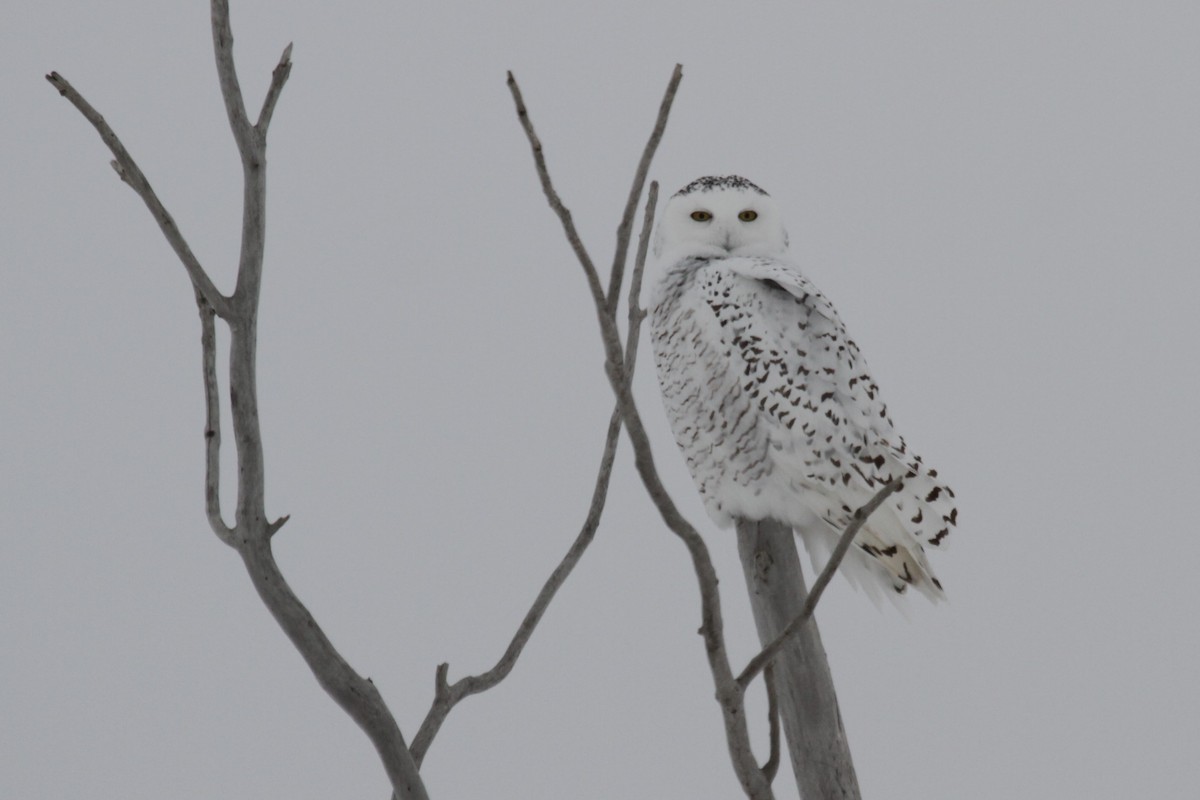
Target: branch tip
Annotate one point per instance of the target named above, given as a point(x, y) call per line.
point(625, 228)
point(58, 82)
point(279, 77)
point(274, 527)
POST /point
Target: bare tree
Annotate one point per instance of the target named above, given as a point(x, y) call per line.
point(252, 531)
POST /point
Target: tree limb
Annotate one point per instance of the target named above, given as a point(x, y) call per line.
point(447, 695)
point(636, 313)
point(128, 170)
point(231, 89)
point(769, 652)
point(212, 423)
point(552, 197)
point(279, 77)
point(635, 191)
point(730, 695)
point(770, 768)
point(355, 694)
point(252, 531)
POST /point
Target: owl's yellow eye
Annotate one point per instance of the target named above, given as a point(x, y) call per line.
point(701, 216)
point(749, 215)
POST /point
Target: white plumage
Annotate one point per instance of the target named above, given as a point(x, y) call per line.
point(769, 399)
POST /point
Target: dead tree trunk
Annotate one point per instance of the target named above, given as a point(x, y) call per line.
point(812, 723)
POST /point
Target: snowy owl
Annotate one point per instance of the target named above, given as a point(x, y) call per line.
point(770, 400)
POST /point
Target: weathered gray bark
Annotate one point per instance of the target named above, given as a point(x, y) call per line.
point(252, 530)
point(812, 723)
point(729, 691)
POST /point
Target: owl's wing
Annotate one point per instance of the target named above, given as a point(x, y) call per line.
point(810, 377)
point(828, 426)
point(775, 274)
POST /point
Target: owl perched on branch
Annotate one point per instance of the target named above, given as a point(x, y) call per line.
point(769, 399)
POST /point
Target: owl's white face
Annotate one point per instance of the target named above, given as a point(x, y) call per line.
point(719, 217)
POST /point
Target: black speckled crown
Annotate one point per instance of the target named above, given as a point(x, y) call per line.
point(711, 182)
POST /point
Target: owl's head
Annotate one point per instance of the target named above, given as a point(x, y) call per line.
point(718, 217)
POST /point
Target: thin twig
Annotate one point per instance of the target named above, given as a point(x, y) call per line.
point(128, 170)
point(231, 89)
point(212, 423)
point(279, 77)
point(730, 696)
point(635, 191)
point(636, 312)
point(814, 595)
point(446, 695)
point(552, 197)
point(770, 768)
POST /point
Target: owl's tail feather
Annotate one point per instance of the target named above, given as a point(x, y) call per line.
point(926, 507)
point(884, 561)
point(887, 539)
point(861, 571)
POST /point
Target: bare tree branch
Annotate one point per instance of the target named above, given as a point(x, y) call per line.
point(231, 89)
point(636, 313)
point(129, 172)
point(730, 695)
point(355, 694)
point(552, 197)
point(252, 532)
point(212, 423)
point(447, 695)
point(279, 77)
point(770, 768)
point(635, 191)
point(769, 652)
point(252, 146)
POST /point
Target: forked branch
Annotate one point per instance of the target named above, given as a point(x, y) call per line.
point(447, 695)
point(252, 531)
point(729, 694)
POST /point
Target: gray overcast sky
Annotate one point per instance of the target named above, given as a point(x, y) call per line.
point(1000, 198)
